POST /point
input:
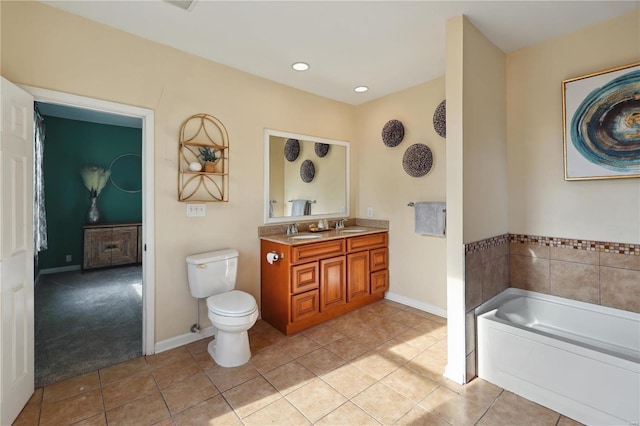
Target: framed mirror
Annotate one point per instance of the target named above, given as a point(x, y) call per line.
point(289, 192)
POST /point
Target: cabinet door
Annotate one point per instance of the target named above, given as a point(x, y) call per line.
point(358, 275)
point(380, 281)
point(124, 245)
point(304, 305)
point(304, 277)
point(97, 248)
point(379, 259)
point(333, 276)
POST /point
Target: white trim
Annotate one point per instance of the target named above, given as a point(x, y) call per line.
point(148, 229)
point(416, 304)
point(58, 269)
point(184, 339)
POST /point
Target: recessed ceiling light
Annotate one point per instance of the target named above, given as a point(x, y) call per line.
point(300, 66)
point(361, 89)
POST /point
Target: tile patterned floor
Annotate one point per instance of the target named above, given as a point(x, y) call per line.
point(382, 364)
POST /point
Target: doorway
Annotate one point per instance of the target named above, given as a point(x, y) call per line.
point(88, 317)
point(145, 288)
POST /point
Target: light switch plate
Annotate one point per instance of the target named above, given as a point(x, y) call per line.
point(194, 210)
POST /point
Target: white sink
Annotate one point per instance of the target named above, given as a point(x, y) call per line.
point(354, 230)
point(305, 237)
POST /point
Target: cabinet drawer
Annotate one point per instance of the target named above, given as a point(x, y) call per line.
point(304, 277)
point(304, 305)
point(379, 281)
point(379, 259)
point(315, 251)
point(367, 242)
point(124, 242)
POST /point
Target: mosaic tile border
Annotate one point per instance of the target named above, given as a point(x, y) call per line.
point(596, 246)
point(486, 244)
point(587, 245)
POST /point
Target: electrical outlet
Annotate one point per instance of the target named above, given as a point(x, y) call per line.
point(67, 258)
point(194, 210)
point(369, 211)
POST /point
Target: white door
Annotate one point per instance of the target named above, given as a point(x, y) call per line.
point(16, 251)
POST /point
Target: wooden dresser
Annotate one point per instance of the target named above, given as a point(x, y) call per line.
point(111, 245)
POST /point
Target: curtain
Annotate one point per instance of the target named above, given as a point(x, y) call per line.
point(39, 214)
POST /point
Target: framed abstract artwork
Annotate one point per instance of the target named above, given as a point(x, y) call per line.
point(601, 123)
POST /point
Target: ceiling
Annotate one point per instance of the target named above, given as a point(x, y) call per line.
point(385, 45)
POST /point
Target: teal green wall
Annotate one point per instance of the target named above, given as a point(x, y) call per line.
point(69, 146)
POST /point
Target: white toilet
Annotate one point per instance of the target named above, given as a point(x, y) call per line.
point(232, 312)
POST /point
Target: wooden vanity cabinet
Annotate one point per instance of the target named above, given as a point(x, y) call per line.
point(317, 281)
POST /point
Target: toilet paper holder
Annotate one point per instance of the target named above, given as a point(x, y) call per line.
point(273, 256)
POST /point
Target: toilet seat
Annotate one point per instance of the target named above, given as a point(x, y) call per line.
point(234, 303)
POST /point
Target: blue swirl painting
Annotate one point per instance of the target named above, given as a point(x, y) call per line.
point(605, 128)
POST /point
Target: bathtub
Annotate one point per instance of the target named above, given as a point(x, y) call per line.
point(578, 359)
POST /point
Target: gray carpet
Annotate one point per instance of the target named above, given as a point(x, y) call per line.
point(88, 321)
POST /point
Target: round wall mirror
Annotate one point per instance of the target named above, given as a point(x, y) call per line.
point(126, 172)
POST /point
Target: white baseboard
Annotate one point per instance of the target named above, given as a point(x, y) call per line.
point(416, 304)
point(183, 339)
point(59, 269)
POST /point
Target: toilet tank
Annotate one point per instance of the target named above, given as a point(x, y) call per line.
point(212, 273)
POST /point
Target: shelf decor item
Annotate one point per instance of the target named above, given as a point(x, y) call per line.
point(393, 133)
point(209, 157)
point(417, 160)
point(601, 123)
point(203, 138)
point(440, 119)
point(94, 178)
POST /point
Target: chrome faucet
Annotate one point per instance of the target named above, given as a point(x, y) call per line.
point(292, 229)
point(340, 224)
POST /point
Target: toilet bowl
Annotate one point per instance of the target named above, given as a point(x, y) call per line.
point(212, 275)
point(231, 314)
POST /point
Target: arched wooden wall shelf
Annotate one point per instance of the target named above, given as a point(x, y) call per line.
point(211, 183)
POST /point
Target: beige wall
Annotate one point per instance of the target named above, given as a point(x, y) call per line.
point(417, 263)
point(47, 48)
point(484, 137)
point(541, 202)
point(476, 190)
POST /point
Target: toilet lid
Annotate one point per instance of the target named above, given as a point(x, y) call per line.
point(234, 303)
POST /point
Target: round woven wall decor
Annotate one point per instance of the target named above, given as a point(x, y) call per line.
point(291, 149)
point(307, 171)
point(417, 160)
point(440, 119)
point(321, 149)
point(393, 133)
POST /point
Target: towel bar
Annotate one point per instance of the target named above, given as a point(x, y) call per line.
point(411, 204)
point(311, 201)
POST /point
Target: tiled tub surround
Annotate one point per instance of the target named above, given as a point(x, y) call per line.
point(486, 275)
point(601, 273)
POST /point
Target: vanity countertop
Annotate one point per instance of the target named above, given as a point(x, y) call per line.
point(306, 237)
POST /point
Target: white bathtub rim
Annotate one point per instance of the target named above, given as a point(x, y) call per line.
point(512, 293)
point(627, 358)
point(630, 363)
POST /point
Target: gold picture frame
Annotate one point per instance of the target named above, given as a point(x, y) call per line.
point(601, 124)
